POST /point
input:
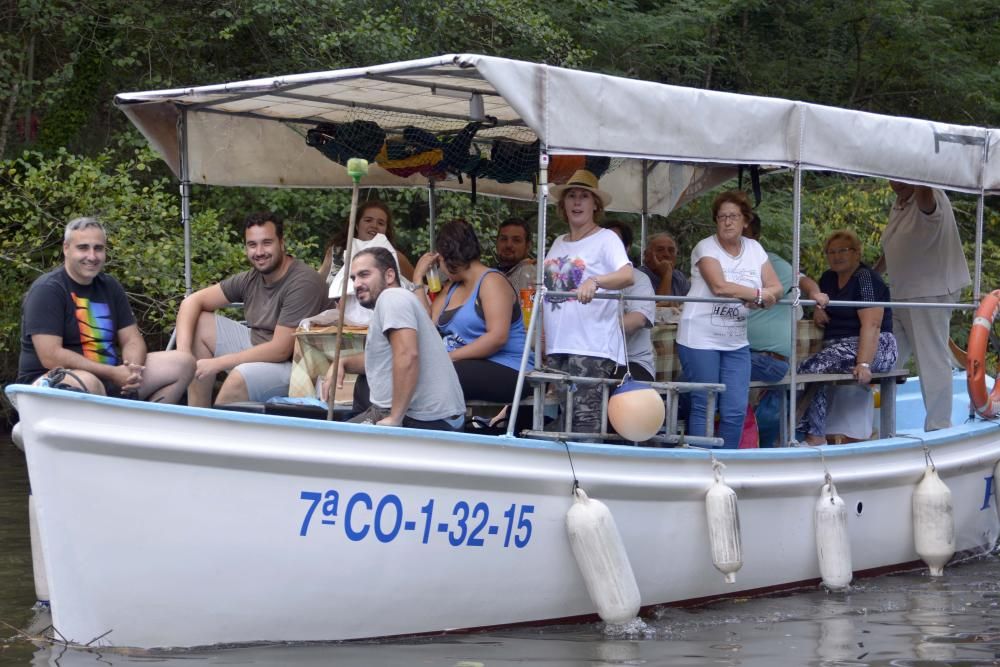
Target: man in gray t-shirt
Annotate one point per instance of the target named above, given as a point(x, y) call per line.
point(407, 374)
point(277, 293)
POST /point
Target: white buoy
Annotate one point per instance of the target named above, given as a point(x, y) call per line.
point(37, 557)
point(833, 544)
point(933, 522)
point(724, 527)
point(600, 555)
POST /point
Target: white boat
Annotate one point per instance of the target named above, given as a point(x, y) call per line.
point(173, 526)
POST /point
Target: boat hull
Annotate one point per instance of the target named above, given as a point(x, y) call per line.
point(174, 526)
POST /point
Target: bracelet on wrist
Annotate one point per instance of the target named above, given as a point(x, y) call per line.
point(597, 283)
point(865, 364)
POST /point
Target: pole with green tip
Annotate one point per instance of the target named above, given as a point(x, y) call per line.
point(356, 168)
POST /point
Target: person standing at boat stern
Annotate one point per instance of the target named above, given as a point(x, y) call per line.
point(78, 318)
point(923, 255)
point(405, 375)
point(583, 336)
point(712, 337)
point(277, 293)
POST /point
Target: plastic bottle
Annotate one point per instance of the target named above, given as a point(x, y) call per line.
point(527, 301)
point(877, 414)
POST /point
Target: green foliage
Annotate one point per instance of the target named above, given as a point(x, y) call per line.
point(63, 62)
point(922, 58)
point(146, 247)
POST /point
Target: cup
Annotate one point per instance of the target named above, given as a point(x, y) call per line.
point(433, 280)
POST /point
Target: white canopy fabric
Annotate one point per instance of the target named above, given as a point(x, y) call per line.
point(253, 132)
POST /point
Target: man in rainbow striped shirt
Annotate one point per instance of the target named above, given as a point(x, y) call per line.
point(77, 326)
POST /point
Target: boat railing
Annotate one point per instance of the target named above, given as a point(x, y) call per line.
point(670, 391)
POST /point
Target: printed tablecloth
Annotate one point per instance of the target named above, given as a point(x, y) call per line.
point(314, 350)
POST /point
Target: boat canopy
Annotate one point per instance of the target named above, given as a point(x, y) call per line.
point(666, 143)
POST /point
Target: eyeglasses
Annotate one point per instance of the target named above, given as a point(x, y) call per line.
point(838, 252)
point(726, 217)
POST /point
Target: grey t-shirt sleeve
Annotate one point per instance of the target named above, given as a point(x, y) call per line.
point(234, 287)
point(399, 313)
point(304, 295)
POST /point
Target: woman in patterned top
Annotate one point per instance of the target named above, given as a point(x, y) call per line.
point(855, 340)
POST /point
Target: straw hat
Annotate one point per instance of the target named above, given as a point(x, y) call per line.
point(584, 180)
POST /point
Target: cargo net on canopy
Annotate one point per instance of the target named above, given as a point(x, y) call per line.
point(442, 148)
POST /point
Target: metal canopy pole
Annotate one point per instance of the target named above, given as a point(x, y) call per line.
point(980, 205)
point(534, 328)
point(432, 214)
point(796, 236)
point(644, 217)
point(185, 197)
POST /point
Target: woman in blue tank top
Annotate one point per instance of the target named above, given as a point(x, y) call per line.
point(478, 315)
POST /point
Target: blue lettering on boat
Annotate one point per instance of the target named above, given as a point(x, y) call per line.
point(467, 526)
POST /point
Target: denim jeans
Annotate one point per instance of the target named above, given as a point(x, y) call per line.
point(728, 367)
point(765, 368)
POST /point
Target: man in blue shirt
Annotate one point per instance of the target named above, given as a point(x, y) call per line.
point(659, 263)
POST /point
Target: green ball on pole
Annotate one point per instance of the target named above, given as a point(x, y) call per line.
point(357, 167)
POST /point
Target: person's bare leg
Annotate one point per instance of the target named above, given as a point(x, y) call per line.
point(203, 347)
point(167, 376)
point(233, 390)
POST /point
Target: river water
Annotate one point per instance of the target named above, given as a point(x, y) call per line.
point(900, 620)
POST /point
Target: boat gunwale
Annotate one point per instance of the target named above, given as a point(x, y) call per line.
point(954, 434)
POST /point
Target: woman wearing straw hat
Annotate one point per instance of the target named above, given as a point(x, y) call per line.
point(582, 335)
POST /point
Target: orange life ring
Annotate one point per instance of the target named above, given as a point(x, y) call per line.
point(986, 405)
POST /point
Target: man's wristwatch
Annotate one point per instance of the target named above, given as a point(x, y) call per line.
point(865, 364)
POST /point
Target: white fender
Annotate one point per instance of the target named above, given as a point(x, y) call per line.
point(724, 528)
point(37, 557)
point(600, 555)
point(833, 544)
point(933, 522)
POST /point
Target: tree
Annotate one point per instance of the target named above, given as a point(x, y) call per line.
point(40, 195)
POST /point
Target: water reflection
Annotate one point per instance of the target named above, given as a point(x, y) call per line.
point(839, 638)
point(928, 612)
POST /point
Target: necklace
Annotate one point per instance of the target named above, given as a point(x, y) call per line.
point(590, 231)
point(734, 255)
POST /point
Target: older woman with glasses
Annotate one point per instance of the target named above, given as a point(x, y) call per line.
point(712, 337)
point(855, 340)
